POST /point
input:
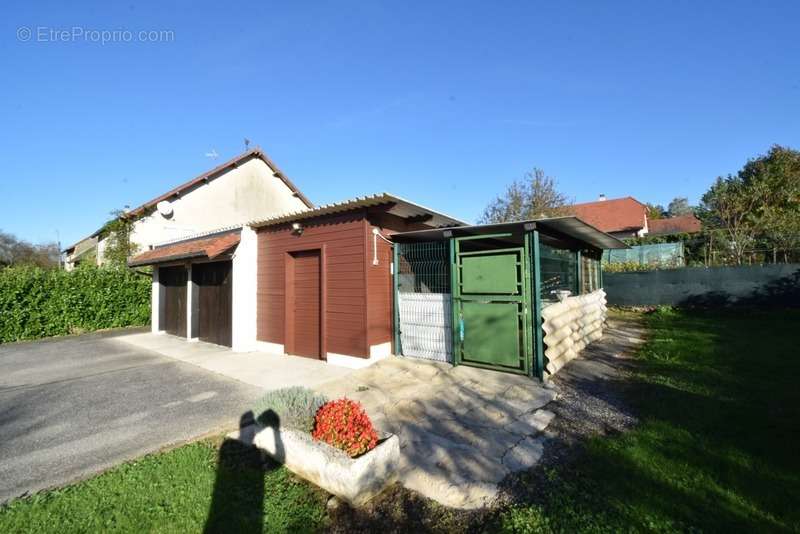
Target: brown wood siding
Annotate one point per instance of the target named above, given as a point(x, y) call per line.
point(343, 279)
point(380, 285)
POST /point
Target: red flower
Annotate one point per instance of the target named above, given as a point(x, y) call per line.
point(345, 425)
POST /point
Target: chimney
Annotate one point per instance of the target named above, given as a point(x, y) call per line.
point(602, 197)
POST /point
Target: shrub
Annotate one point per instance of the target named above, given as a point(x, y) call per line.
point(293, 407)
point(37, 303)
point(345, 425)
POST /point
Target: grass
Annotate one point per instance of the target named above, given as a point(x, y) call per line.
point(203, 486)
point(717, 447)
point(716, 450)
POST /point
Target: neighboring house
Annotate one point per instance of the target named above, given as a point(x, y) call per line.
point(682, 224)
point(620, 217)
point(249, 186)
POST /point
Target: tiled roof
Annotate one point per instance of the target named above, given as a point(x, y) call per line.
point(683, 224)
point(612, 215)
point(204, 247)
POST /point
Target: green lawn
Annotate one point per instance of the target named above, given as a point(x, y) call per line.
point(197, 487)
point(716, 450)
point(718, 447)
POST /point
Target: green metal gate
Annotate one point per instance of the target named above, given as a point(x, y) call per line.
point(491, 305)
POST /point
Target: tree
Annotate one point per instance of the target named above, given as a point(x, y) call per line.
point(679, 206)
point(774, 181)
point(728, 205)
point(119, 247)
point(655, 211)
point(15, 251)
point(532, 197)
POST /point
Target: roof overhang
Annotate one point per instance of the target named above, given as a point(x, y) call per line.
point(206, 247)
point(393, 205)
point(571, 227)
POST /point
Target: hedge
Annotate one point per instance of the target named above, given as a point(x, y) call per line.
point(37, 303)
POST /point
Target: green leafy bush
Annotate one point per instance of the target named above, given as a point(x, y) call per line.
point(37, 303)
point(293, 407)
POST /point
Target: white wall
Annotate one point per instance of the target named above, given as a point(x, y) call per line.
point(245, 193)
point(155, 304)
point(245, 279)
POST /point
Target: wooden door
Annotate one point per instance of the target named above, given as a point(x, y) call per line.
point(173, 280)
point(214, 284)
point(306, 309)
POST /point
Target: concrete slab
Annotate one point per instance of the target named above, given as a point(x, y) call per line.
point(261, 369)
point(461, 429)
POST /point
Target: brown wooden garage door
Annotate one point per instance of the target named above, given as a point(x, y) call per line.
point(305, 311)
point(173, 280)
point(214, 282)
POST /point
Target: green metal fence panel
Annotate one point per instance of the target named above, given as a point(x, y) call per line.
point(423, 300)
point(662, 254)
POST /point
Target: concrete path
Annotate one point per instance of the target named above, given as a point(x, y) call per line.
point(261, 369)
point(73, 406)
point(461, 429)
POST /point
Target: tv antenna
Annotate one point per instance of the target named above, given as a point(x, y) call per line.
point(246, 144)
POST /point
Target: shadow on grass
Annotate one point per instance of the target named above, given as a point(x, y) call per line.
point(237, 503)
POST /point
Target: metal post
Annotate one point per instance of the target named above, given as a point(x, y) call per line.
point(455, 293)
point(538, 346)
point(398, 347)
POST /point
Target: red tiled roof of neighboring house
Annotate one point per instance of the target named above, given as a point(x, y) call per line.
point(683, 224)
point(208, 247)
point(233, 163)
point(612, 215)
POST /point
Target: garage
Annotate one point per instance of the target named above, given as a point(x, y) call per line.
point(193, 289)
point(173, 281)
point(212, 315)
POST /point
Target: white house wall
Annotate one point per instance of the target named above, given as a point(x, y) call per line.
point(247, 192)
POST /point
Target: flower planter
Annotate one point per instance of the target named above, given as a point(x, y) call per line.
point(355, 480)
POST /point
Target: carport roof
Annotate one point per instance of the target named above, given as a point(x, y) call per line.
point(397, 206)
point(207, 247)
point(570, 227)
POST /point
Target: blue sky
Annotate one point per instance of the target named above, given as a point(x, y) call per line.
point(443, 103)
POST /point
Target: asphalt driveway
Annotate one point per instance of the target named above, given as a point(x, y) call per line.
point(71, 407)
